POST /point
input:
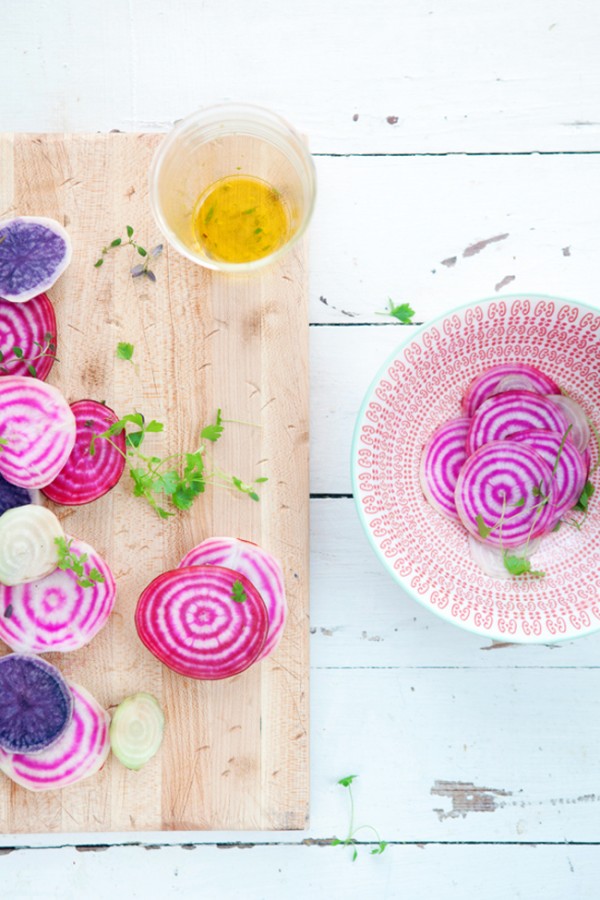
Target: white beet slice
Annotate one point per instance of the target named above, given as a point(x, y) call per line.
point(28, 548)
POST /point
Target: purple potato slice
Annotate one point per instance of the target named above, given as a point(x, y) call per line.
point(34, 252)
point(36, 703)
point(12, 496)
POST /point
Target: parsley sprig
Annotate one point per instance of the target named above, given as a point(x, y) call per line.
point(238, 593)
point(180, 477)
point(47, 348)
point(403, 312)
point(75, 562)
point(350, 839)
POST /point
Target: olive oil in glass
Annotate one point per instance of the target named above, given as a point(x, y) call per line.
point(240, 219)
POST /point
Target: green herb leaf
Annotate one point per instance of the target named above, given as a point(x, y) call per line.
point(213, 432)
point(18, 352)
point(129, 230)
point(98, 263)
point(116, 242)
point(124, 351)
point(141, 251)
point(518, 565)
point(73, 562)
point(134, 439)
point(520, 502)
point(403, 312)
point(238, 593)
point(483, 529)
point(347, 780)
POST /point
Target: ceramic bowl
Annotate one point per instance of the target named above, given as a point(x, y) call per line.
point(417, 389)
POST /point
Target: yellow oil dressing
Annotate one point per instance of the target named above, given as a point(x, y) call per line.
point(240, 219)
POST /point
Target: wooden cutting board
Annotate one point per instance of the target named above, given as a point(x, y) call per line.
point(235, 754)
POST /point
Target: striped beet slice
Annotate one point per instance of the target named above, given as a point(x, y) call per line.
point(508, 413)
point(84, 477)
point(190, 620)
point(570, 467)
point(31, 327)
point(80, 752)
point(258, 566)
point(55, 614)
point(37, 430)
point(443, 457)
point(502, 487)
point(506, 376)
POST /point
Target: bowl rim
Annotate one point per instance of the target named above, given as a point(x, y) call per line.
point(413, 595)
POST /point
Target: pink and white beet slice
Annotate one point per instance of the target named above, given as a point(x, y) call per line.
point(37, 430)
point(190, 619)
point(85, 476)
point(80, 752)
point(261, 568)
point(55, 614)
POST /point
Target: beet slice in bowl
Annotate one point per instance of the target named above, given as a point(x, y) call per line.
point(442, 459)
point(504, 377)
point(36, 704)
point(86, 477)
point(30, 328)
point(205, 622)
point(504, 414)
point(501, 494)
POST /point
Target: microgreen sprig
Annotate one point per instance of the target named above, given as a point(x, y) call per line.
point(139, 269)
point(47, 348)
point(350, 839)
point(70, 561)
point(183, 480)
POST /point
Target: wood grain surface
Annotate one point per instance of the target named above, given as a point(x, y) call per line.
point(235, 753)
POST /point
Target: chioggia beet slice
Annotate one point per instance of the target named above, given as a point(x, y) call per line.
point(27, 337)
point(504, 414)
point(441, 461)
point(57, 613)
point(501, 491)
point(258, 566)
point(504, 377)
point(36, 704)
point(205, 622)
point(34, 252)
point(86, 476)
point(37, 431)
point(80, 752)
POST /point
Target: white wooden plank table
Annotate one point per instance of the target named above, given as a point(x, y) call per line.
point(458, 154)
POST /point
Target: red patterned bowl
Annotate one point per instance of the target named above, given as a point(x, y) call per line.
point(420, 387)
